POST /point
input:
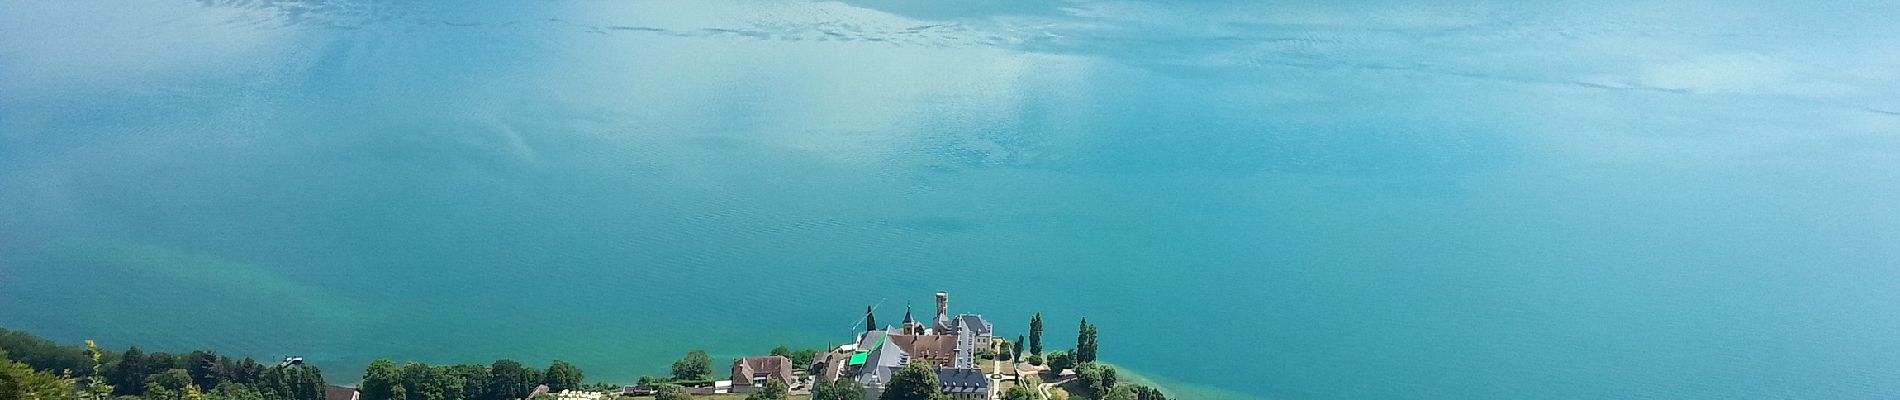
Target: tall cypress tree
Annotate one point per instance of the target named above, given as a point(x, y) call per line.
point(870, 319)
point(1016, 352)
point(1035, 334)
point(1085, 345)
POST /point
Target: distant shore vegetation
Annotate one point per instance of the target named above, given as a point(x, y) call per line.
point(34, 368)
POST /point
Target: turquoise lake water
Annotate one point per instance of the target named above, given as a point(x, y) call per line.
point(1299, 200)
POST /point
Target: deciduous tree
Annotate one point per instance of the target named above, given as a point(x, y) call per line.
point(1060, 360)
point(695, 366)
point(128, 377)
point(383, 381)
point(668, 391)
point(916, 381)
point(294, 382)
point(20, 381)
point(1096, 380)
point(800, 358)
point(508, 380)
point(174, 379)
point(474, 379)
point(563, 376)
point(1021, 393)
point(423, 382)
point(843, 389)
point(1144, 392)
point(234, 391)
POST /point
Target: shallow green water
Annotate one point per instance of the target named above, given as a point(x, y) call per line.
point(1375, 200)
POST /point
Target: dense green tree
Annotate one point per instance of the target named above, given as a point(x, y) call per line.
point(1035, 334)
point(293, 382)
point(870, 319)
point(695, 366)
point(800, 358)
point(543, 396)
point(668, 391)
point(1021, 393)
point(310, 384)
point(1085, 343)
point(782, 351)
point(226, 370)
point(234, 391)
point(916, 381)
point(174, 379)
point(774, 390)
point(563, 376)
point(156, 362)
point(159, 362)
point(8, 388)
point(509, 380)
point(1060, 360)
point(156, 391)
point(474, 378)
point(20, 381)
point(1095, 380)
point(843, 389)
point(1143, 392)
point(1016, 350)
point(419, 383)
point(1121, 393)
point(45, 355)
point(248, 371)
point(128, 376)
point(382, 381)
point(424, 382)
point(203, 368)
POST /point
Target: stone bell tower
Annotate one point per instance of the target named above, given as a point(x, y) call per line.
point(943, 305)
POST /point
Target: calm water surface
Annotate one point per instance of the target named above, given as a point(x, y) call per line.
point(1471, 200)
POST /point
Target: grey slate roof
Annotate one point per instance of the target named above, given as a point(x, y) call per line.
point(883, 362)
point(870, 338)
point(972, 323)
point(963, 380)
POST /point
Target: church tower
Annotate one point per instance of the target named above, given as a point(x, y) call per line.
point(911, 327)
